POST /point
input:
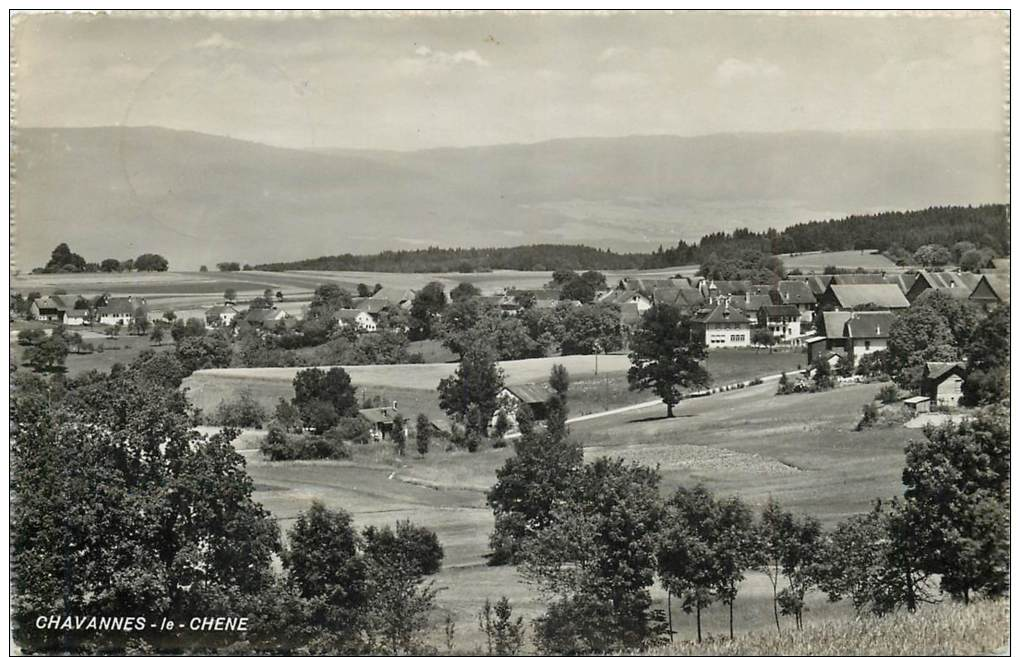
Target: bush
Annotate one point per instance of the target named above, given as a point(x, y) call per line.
point(29, 337)
point(869, 417)
point(351, 430)
point(278, 445)
point(873, 365)
point(243, 411)
point(888, 394)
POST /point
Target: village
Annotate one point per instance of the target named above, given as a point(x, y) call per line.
point(506, 332)
point(841, 317)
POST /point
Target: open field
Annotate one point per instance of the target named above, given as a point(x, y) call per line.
point(208, 385)
point(123, 350)
point(947, 629)
point(818, 261)
point(800, 449)
point(413, 386)
point(189, 290)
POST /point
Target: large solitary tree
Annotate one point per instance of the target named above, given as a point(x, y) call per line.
point(470, 395)
point(666, 355)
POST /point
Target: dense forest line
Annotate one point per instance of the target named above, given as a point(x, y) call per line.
point(985, 226)
point(533, 257)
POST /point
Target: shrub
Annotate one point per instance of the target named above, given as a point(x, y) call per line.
point(888, 394)
point(288, 415)
point(243, 411)
point(351, 430)
point(276, 444)
point(873, 365)
point(31, 336)
point(869, 417)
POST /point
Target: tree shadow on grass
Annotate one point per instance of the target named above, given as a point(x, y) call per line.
point(677, 416)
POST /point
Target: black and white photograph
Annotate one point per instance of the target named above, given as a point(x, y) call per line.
point(509, 332)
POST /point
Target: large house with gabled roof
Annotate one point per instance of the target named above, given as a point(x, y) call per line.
point(722, 325)
point(955, 284)
point(991, 290)
point(797, 294)
point(121, 310)
point(884, 296)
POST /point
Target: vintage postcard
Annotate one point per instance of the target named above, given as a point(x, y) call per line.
point(509, 332)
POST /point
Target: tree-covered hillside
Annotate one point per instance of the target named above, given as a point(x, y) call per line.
point(984, 226)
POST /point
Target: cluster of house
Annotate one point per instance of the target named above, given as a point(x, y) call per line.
point(76, 310)
point(365, 316)
point(831, 315)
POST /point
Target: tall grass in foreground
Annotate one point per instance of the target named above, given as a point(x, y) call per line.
point(945, 629)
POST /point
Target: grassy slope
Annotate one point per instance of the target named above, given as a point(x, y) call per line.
point(817, 262)
point(945, 629)
point(799, 448)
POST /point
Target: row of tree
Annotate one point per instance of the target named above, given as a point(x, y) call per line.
point(64, 261)
point(593, 538)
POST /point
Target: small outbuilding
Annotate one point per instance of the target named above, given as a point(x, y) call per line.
point(943, 383)
point(917, 405)
point(512, 397)
point(381, 420)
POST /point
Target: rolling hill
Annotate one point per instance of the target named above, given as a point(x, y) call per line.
point(199, 199)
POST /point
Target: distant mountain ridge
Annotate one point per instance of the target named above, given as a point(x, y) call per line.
point(200, 199)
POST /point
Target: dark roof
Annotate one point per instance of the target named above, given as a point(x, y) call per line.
point(382, 415)
point(956, 284)
point(859, 279)
point(261, 315)
point(833, 322)
point(529, 393)
point(752, 302)
point(372, 305)
point(884, 295)
point(780, 311)
point(618, 296)
point(998, 283)
point(394, 294)
point(869, 325)
point(722, 314)
point(348, 313)
point(731, 287)
point(221, 309)
point(939, 370)
point(677, 296)
point(795, 292)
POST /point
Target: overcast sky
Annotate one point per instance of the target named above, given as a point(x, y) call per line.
point(410, 82)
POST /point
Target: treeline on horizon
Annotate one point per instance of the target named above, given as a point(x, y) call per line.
point(985, 226)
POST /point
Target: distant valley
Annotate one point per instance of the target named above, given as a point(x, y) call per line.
point(199, 199)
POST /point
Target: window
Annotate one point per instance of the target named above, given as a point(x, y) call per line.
point(867, 345)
